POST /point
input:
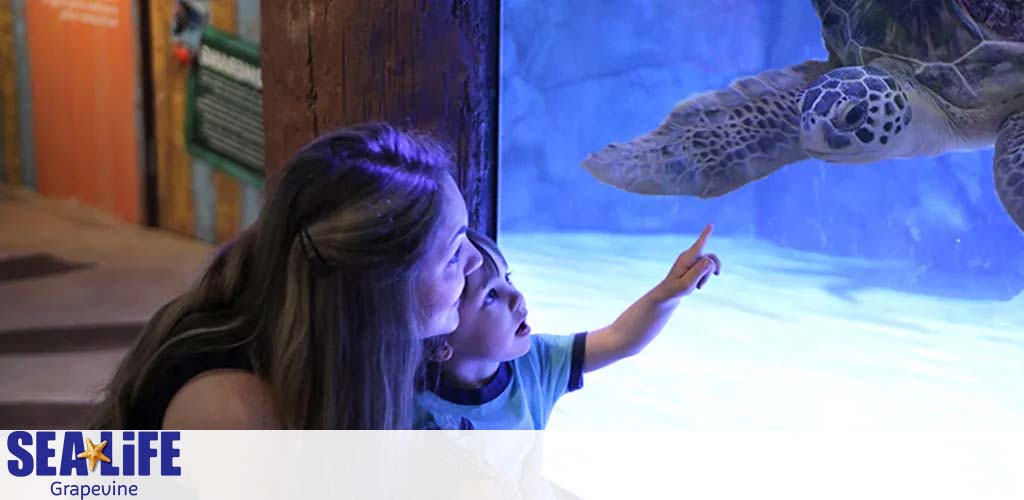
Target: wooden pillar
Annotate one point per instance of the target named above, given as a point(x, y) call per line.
point(175, 201)
point(432, 65)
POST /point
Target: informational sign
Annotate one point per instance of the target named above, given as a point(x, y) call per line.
point(224, 116)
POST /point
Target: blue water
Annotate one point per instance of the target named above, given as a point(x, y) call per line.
point(874, 296)
point(764, 349)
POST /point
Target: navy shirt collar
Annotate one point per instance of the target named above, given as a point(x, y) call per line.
point(479, 395)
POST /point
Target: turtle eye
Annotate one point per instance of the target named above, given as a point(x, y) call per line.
point(855, 115)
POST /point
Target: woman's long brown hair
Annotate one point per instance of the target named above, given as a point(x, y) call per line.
point(335, 331)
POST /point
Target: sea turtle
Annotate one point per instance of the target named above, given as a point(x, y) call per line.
point(904, 78)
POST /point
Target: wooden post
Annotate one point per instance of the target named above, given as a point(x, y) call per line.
point(176, 203)
point(430, 65)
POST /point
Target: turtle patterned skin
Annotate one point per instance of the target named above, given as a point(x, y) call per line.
point(904, 79)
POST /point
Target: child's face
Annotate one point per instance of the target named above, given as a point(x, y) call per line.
point(492, 318)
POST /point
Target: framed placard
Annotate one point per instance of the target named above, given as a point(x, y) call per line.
point(224, 106)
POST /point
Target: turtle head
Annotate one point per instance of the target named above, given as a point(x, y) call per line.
point(855, 114)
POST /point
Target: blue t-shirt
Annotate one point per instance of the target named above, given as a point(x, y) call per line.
point(521, 395)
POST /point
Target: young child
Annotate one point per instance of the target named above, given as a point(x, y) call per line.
point(491, 373)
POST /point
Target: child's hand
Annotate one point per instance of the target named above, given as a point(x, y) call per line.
point(646, 317)
point(691, 270)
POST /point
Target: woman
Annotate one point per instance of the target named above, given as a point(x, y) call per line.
point(314, 317)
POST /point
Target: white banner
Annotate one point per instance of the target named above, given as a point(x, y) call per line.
point(256, 465)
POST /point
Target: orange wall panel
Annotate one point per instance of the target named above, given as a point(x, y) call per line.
point(84, 88)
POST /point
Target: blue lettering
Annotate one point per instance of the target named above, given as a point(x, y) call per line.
point(168, 452)
point(23, 465)
point(109, 469)
point(129, 453)
point(44, 452)
point(137, 457)
point(59, 489)
point(73, 445)
point(146, 451)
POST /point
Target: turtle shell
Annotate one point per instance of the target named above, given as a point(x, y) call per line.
point(967, 51)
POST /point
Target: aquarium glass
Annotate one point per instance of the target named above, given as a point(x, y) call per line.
point(884, 295)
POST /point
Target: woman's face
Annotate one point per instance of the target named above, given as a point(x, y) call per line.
point(450, 257)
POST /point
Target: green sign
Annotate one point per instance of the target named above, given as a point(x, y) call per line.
point(224, 109)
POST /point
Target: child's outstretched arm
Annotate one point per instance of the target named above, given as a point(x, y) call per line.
point(645, 318)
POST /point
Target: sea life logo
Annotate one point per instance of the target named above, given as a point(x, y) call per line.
point(74, 454)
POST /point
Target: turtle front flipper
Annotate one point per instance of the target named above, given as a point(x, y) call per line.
point(1008, 167)
point(715, 142)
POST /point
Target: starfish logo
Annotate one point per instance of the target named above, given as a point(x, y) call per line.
point(94, 453)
